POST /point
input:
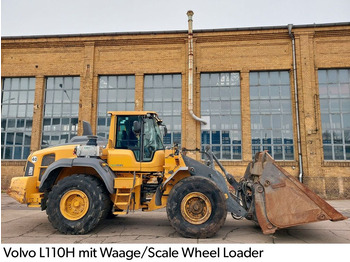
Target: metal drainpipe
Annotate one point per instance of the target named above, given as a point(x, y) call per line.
point(190, 69)
point(290, 26)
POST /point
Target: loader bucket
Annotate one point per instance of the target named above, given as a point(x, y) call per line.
point(280, 200)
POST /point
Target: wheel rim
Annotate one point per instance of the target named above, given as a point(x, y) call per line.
point(196, 208)
point(74, 204)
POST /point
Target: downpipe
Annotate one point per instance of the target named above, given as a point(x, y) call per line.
point(190, 69)
point(290, 26)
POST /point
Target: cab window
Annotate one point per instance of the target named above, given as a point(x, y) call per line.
point(152, 139)
point(126, 137)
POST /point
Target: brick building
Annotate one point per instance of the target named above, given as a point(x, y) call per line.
point(244, 87)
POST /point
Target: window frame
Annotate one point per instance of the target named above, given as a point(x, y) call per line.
point(19, 126)
point(328, 97)
point(275, 114)
point(174, 134)
point(111, 103)
point(59, 120)
point(231, 86)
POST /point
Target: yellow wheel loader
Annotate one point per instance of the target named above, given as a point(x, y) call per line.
point(82, 182)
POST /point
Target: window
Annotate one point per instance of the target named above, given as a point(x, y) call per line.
point(115, 93)
point(220, 102)
point(126, 137)
point(152, 140)
point(271, 114)
point(334, 89)
point(61, 110)
point(162, 94)
point(17, 102)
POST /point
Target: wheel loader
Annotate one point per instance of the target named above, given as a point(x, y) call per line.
point(84, 181)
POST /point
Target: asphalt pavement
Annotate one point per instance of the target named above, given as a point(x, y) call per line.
point(21, 224)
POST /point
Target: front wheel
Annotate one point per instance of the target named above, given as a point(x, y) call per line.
point(77, 204)
point(196, 207)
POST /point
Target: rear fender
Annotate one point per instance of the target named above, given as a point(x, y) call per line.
point(52, 172)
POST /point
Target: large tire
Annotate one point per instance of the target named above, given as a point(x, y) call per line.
point(77, 204)
point(196, 207)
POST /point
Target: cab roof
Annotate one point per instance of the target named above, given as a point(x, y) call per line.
point(131, 113)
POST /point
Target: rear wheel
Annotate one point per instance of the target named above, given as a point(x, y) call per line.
point(77, 204)
point(196, 207)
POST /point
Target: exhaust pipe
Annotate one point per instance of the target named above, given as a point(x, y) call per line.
point(190, 69)
point(290, 26)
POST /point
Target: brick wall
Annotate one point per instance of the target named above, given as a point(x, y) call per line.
point(214, 51)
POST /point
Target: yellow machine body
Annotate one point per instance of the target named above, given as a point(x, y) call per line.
point(121, 161)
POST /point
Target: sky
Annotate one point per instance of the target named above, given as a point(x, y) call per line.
point(52, 17)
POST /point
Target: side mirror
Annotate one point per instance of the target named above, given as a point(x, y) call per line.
point(163, 130)
point(136, 127)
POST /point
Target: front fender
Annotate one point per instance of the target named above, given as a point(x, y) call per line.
point(52, 172)
point(198, 169)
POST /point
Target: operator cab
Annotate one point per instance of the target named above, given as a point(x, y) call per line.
point(138, 135)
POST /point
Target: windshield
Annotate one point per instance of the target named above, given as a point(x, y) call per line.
point(152, 138)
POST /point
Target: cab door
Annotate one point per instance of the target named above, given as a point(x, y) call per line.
point(152, 148)
point(137, 150)
point(126, 155)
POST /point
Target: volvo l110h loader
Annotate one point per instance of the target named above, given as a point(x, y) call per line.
point(80, 183)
